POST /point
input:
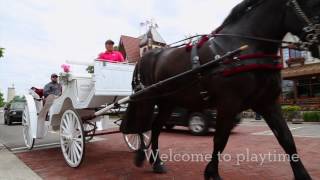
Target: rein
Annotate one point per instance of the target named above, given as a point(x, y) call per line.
point(257, 39)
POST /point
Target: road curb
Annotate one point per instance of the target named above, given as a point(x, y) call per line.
point(11, 167)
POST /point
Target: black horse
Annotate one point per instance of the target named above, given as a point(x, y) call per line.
point(250, 80)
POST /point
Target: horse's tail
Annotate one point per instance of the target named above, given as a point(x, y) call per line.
point(138, 117)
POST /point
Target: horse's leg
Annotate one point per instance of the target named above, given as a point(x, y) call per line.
point(140, 153)
point(225, 122)
point(163, 115)
point(273, 116)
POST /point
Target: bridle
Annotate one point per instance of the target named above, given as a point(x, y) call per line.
point(312, 28)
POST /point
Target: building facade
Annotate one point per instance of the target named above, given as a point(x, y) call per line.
point(133, 48)
point(301, 77)
point(11, 93)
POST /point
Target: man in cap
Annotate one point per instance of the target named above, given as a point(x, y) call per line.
point(110, 54)
point(52, 87)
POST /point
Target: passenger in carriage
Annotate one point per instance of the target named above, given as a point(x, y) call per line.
point(53, 87)
point(110, 54)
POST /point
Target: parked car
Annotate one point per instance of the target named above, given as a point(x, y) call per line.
point(197, 122)
point(13, 112)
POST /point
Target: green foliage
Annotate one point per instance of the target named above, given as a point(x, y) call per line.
point(90, 69)
point(291, 108)
point(1, 52)
point(18, 99)
point(2, 103)
point(313, 116)
point(290, 112)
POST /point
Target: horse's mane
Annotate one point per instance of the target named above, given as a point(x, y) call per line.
point(239, 10)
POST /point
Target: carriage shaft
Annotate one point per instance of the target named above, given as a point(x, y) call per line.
point(102, 111)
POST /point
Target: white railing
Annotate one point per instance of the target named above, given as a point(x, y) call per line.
point(100, 60)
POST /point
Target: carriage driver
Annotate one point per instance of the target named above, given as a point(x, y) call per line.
point(52, 87)
point(110, 54)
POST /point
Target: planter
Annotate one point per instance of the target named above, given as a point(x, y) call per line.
point(296, 117)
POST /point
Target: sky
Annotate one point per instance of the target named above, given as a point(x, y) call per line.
point(40, 35)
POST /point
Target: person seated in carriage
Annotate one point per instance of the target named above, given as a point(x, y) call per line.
point(52, 87)
point(110, 54)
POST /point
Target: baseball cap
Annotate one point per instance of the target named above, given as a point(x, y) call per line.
point(109, 41)
point(54, 75)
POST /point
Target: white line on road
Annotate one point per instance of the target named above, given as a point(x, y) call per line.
point(269, 132)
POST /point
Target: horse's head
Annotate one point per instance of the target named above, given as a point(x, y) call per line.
point(303, 19)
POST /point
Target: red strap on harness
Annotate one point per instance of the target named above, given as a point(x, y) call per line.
point(252, 56)
point(250, 67)
point(257, 55)
point(203, 40)
point(229, 72)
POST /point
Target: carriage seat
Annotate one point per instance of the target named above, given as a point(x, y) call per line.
point(38, 91)
point(38, 100)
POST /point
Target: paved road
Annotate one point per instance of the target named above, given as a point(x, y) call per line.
point(311, 130)
point(111, 159)
point(12, 137)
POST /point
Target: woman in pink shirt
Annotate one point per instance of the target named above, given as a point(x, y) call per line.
point(110, 55)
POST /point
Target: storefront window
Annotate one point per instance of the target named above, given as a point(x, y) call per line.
point(288, 89)
point(315, 82)
point(308, 87)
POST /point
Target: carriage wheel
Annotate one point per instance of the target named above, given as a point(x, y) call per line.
point(27, 136)
point(72, 138)
point(133, 140)
point(90, 130)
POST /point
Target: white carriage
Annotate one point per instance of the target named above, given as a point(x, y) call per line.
point(82, 94)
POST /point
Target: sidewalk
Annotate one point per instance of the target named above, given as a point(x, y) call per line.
point(12, 168)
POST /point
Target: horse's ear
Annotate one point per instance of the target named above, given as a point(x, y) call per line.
point(315, 51)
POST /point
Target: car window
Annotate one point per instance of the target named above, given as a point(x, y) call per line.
point(17, 105)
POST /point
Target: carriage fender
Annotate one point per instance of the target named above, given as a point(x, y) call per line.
point(57, 110)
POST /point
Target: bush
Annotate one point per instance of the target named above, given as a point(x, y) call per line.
point(290, 112)
point(311, 116)
point(1, 100)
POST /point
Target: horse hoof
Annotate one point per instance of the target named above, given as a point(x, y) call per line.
point(212, 178)
point(159, 168)
point(139, 158)
point(303, 177)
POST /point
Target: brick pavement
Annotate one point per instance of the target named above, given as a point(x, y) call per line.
point(110, 158)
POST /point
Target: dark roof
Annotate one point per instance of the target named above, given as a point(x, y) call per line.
point(154, 35)
point(131, 47)
point(305, 70)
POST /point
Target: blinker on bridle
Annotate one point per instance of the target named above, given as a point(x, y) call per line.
point(312, 29)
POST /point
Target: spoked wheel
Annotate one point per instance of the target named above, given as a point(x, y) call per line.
point(89, 130)
point(133, 140)
point(72, 138)
point(27, 136)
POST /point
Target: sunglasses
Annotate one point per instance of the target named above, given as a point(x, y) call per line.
point(54, 77)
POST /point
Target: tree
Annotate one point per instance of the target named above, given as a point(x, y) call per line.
point(1, 52)
point(90, 69)
point(1, 100)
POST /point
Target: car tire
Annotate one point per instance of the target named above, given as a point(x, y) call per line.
point(9, 122)
point(169, 126)
point(198, 124)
